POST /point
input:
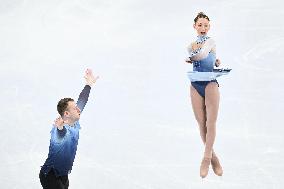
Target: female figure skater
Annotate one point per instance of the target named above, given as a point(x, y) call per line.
point(205, 94)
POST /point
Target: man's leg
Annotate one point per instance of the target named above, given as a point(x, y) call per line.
point(50, 181)
point(65, 181)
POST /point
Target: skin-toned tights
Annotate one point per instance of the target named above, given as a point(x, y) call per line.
point(206, 112)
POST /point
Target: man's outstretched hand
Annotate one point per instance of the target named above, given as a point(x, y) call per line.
point(90, 78)
point(58, 123)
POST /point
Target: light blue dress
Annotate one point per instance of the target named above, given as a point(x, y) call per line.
point(203, 60)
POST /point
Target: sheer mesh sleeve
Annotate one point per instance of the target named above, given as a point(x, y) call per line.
point(203, 52)
point(189, 48)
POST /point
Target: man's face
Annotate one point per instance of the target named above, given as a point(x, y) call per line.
point(73, 112)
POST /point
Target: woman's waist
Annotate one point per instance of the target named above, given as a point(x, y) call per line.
point(202, 68)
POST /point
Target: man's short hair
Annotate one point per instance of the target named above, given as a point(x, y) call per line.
point(62, 105)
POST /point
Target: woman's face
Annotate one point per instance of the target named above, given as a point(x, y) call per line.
point(202, 26)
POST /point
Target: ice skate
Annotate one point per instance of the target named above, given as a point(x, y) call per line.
point(216, 166)
point(204, 167)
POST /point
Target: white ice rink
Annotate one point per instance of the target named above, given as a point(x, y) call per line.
point(138, 129)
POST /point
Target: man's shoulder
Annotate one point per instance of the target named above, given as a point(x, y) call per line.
point(77, 125)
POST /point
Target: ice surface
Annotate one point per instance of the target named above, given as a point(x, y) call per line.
point(138, 129)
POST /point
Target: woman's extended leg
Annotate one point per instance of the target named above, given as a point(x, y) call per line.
point(199, 109)
point(212, 98)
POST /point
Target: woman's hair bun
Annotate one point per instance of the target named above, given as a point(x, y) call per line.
point(201, 15)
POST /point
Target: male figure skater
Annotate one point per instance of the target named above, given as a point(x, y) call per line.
point(64, 139)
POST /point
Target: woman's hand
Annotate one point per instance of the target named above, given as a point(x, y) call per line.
point(188, 60)
point(218, 62)
point(196, 46)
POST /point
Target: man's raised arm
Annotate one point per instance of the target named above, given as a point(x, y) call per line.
point(84, 95)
